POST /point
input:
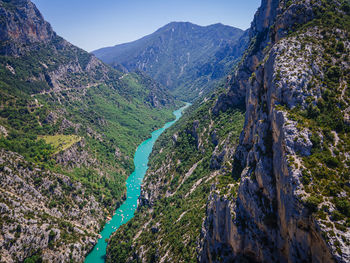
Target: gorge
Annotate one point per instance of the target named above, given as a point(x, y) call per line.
point(255, 170)
point(126, 211)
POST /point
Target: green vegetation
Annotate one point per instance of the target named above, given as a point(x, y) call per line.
point(112, 118)
point(124, 123)
point(332, 14)
point(326, 171)
point(37, 65)
point(173, 224)
point(328, 14)
point(34, 259)
point(312, 203)
point(57, 95)
point(23, 126)
point(189, 61)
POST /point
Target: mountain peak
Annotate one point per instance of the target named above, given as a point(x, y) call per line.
point(177, 24)
point(180, 54)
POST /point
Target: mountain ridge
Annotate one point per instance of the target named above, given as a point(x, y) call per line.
point(168, 26)
point(184, 57)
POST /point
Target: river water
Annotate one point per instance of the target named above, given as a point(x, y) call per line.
point(126, 211)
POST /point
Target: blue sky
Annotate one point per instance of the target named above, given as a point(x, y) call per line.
point(92, 24)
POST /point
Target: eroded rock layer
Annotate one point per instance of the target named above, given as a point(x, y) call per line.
point(285, 210)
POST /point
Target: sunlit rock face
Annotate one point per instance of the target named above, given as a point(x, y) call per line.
point(270, 220)
point(24, 25)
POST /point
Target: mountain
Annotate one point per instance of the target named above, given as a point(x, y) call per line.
point(186, 58)
point(69, 126)
point(279, 191)
point(256, 171)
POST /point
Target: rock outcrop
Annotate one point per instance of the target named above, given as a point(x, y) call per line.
point(271, 23)
point(76, 156)
point(44, 214)
point(23, 25)
point(275, 217)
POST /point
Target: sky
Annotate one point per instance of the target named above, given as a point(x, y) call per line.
point(93, 24)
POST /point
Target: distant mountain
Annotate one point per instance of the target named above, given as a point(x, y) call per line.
point(69, 126)
point(186, 58)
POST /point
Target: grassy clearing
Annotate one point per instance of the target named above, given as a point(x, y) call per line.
point(60, 142)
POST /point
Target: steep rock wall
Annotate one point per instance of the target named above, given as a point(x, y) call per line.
point(22, 27)
point(271, 220)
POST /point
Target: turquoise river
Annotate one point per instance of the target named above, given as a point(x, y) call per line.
point(133, 184)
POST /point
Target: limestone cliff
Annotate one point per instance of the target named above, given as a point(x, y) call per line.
point(22, 24)
point(283, 211)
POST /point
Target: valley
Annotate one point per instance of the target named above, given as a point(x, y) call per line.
point(69, 128)
point(255, 170)
point(133, 183)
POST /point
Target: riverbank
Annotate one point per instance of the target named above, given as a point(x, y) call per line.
point(126, 211)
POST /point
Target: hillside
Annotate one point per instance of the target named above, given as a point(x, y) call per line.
point(192, 156)
point(186, 58)
point(69, 126)
point(279, 192)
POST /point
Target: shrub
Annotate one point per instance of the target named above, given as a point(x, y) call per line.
point(34, 258)
point(343, 205)
point(313, 111)
point(334, 73)
point(332, 162)
point(312, 203)
point(316, 141)
point(337, 216)
point(340, 47)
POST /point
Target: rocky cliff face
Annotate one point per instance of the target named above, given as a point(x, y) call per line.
point(22, 24)
point(44, 214)
point(282, 212)
point(271, 23)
